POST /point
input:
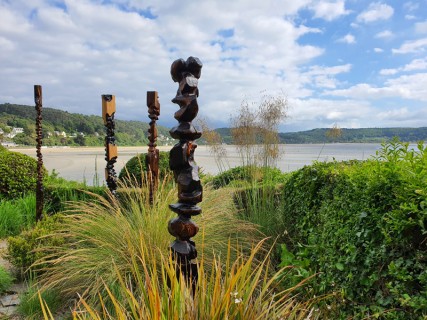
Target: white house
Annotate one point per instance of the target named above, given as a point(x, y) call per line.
point(14, 132)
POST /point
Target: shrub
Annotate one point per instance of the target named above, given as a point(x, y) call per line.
point(134, 168)
point(362, 227)
point(18, 174)
point(24, 249)
point(5, 280)
point(251, 174)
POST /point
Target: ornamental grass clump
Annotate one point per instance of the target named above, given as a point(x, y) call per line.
point(111, 238)
point(239, 287)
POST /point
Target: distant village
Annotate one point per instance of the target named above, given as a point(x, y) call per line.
point(7, 141)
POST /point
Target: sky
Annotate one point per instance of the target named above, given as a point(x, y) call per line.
point(349, 63)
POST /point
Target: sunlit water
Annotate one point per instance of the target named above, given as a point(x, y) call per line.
point(87, 164)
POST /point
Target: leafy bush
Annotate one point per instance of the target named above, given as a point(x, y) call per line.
point(251, 174)
point(18, 174)
point(134, 168)
point(17, 215)
point(362, 227)
point(24, 249)
point(5, 280)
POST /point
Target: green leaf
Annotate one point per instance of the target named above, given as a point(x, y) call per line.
point(339, 266)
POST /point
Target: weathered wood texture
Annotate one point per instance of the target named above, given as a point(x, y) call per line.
point(186, 171)
point(38, 99)
point(152, 157)
point(108, 112)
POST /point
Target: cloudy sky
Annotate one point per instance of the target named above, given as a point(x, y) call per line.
point(353, 63)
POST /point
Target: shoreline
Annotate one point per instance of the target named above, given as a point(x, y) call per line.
point(88, 163)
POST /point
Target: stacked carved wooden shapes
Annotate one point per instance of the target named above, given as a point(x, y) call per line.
point(152, 157)
point(186, 171)
point(108, 111)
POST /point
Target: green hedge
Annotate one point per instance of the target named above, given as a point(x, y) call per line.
point(18, 174)
point(250, 174)
point(136, 165)
point(362, 227)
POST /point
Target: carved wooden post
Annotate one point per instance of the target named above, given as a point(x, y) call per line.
point(108, 111)
point(152, 157)
point(38, 98)
point(186, 172)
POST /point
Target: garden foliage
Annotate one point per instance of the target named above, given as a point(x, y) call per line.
point(134, 169)
point(18, 174)
point(25, 248)
point(362, 227)
point(6, 280)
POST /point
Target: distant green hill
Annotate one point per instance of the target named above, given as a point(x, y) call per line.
point(128, 133)
point(364, 135)
point(134, 133)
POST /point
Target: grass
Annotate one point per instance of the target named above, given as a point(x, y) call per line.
point(104, 237)
point(17, 215)
point(6, 280)
point(30, 306)
point(233, 288)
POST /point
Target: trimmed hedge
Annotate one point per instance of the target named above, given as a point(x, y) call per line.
point(249, 174)
point(362, 226)
point(136, 165)
point(18, 174)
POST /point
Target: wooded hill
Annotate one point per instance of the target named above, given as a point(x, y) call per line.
point(364, 135)
point(90, 131)
point(79, 129)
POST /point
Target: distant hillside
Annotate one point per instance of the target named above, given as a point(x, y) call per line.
point(365, 135)
point(79, 129)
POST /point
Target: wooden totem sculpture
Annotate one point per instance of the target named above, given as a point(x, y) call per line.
point(152, 157)
point(186, 172)
point(38, 98)
point(108, 111)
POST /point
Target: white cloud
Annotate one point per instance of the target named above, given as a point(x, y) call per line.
point(406, 86)
point(411, 6)
point(412, 46)
point(348, 38)
point(384, 34)
point(388, 72)
point(329, 10)
point(98, 47)
point(421, 27)
point(410, 17)
point(376, 11)
point(395, 114)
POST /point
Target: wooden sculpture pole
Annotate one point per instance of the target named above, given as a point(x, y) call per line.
point(39, 188)
point(186, 172)
point(108, 111)
point(152, 157)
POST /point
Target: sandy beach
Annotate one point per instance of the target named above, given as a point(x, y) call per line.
point(88, 163)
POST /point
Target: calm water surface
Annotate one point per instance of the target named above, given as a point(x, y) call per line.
point(87, 164)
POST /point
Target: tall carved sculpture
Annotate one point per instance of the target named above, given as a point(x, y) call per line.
point(186, 172)
point(108, 111)
point(152, 157)
point(38, 99)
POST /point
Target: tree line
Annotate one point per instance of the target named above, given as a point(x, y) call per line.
point(81, 130)
point(362, 135)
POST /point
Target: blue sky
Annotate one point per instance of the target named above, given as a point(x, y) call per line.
point(352, 63)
